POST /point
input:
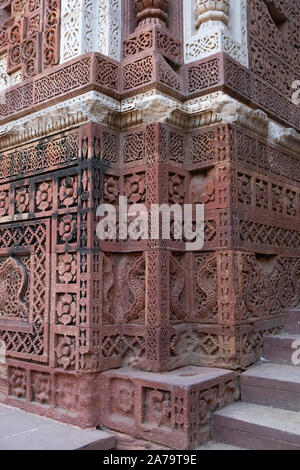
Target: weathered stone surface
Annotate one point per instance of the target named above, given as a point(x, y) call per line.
point(24, 431)
point(292, 324)
point(173, 408)
point(281, 348)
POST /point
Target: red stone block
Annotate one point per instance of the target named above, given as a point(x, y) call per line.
point(172, 408)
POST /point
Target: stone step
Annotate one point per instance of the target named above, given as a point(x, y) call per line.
point(272, 384)
point(23, 431)
point(211, 445)
point(257, 427)
point(282, 348)
point(292, 325)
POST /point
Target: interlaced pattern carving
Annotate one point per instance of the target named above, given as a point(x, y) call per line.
point(44, 155)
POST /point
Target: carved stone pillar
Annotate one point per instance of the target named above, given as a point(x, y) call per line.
point(152, 12)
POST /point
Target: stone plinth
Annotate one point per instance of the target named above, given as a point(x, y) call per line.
point(171, 408)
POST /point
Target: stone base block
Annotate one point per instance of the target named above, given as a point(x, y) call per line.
point(171, 408)
point(70, 397)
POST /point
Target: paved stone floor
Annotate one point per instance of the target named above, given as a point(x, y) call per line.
point(217, 446)
point(24, 431)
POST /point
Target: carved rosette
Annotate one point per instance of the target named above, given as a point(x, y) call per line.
point(212, 10)
point(151, 12)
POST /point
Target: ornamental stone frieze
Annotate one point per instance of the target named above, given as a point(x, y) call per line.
point(29, 36)
point(90, 26)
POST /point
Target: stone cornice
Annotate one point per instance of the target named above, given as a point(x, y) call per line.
point(285, 137)
point(96, 107)
point(94, 72)
point(91, 106)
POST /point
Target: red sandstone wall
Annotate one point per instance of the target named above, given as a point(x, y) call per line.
point(76, 308)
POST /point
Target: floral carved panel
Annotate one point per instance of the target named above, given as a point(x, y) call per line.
point(29, 38)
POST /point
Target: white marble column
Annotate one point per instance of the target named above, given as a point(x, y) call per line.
point(212, 26)
point(90, 26)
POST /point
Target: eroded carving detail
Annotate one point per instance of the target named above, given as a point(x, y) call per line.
point(13, 286)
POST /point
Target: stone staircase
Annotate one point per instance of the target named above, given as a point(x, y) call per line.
point(268, 415)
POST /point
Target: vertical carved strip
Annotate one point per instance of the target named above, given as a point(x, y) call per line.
point(90, 26)
point(50, 54)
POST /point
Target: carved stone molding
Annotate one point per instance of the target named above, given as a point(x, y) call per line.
point(145, 109)
point(285, 137)
point(145, 75)
point(151, 12)
point(234, 112)
point(212, 10)
point(156, 109)
point(91, 106)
